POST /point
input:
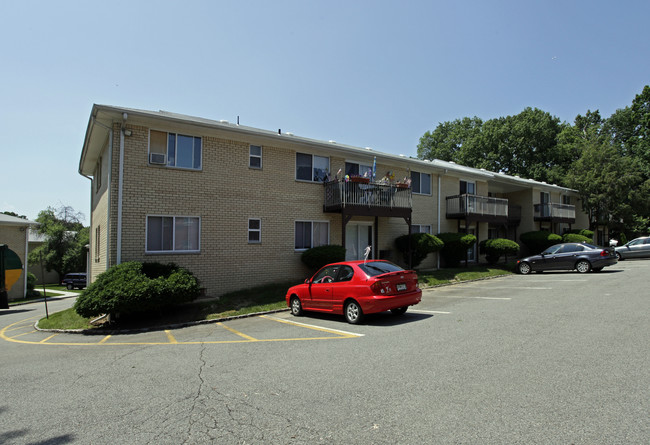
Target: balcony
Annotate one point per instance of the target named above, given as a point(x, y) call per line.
point(560, 213)
point(477, 208)
point(367, 199)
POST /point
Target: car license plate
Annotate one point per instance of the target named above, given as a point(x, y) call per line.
point(401, 287)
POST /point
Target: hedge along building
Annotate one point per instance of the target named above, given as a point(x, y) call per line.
point(238, 205)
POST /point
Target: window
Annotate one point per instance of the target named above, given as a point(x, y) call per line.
point(254, 230)
point(467, 187)
point(310, 234)
point(419, 228)
point(566, 199)
point(421, 183)
point(354, 169)
point(255, 156)
point(173, 234)
point(311, 167)
point(179, 150)
point(98, 244)
point(98, 175)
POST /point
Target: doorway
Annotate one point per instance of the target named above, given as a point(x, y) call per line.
point(358, 236)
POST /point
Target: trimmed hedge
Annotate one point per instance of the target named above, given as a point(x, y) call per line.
point(422, 244)
point(455, 247)
point(317, 257)
point(539, 241)
point(135, 287)
point(584, 232)
point(497, 247)
point(575, 238)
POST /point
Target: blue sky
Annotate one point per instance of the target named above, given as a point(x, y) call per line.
point(367, 73)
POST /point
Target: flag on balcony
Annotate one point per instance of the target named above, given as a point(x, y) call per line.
point(374, 168)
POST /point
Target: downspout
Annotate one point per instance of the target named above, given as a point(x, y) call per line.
point(108, 191)
point(439, 185)
point(25, 265)
point(119, 191)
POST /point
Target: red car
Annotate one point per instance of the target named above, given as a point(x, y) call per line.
point(355, 288)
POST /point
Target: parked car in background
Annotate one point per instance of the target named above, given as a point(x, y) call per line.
point(637, 248)
point(72, 280)
point(582, 257)
point(356, 288)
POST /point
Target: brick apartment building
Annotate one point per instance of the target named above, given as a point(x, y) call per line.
point(238, 205)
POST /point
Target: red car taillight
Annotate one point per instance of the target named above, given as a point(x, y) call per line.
point(381, 287)
point(604, 253)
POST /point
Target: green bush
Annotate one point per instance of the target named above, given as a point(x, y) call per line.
point(422, 244)
point(455, 247)
point(317, 257)
point(495, 248)
point(584, 232)
point(575, 238)
point(134, 287)
point(31, 286)
point(622, 239)
point(538, 241)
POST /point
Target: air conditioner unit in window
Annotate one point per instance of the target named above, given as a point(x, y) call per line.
point(157, 158)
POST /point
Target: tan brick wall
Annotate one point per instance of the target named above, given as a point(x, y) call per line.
point(225, 193)
point(14, 237)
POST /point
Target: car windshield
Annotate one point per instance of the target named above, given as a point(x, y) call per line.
point(374, 268)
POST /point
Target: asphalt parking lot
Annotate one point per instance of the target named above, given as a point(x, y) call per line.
point(547, 358)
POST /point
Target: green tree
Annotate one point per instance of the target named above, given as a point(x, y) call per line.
point(65, 238)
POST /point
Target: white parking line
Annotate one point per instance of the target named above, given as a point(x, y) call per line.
point(420, 311)
point(475, 298)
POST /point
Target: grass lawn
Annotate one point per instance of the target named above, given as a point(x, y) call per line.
point(52, 290)
point(256, 299)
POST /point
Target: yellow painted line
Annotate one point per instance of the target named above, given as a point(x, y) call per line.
point(46, 339)
point(21, 327)
point(313, 327)
point(24, 333)
point(234, 331)
point(104, 340)
point(170, 336)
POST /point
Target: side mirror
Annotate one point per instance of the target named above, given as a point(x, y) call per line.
point(307, 281)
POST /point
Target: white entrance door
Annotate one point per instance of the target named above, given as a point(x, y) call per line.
point(358, 236)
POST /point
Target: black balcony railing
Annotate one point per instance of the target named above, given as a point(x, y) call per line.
point(555, 212)
point(373, 198)
point(477, 208)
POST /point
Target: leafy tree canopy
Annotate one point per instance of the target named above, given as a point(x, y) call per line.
point(63, 249)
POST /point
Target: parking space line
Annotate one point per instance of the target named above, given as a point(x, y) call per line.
point(314, 327)
point(474, 298)
point(46, 339)
point(235, 331)
point(105, 339)
point(420, 311)
point(170, 336)
point(24, 333)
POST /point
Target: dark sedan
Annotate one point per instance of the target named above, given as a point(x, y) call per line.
point(582, 257)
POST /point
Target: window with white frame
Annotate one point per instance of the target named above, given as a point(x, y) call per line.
point(311, 167)
point(467, 187)
point(98, 239)
point(421, 228)
point(173, 234)
point(355, 169)
point(175, 150)
point(254, 230)
point(310, 234)
point(255, 156)
point(421, 183)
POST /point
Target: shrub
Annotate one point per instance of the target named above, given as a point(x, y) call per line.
point(31, 286)
point(495, 248)
point(455, 247)
point(134, 287)
point(584, 232)
point(422, 244)
point(622, 239)
point(317, 257)
point(575, 238)
point(538, 241)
